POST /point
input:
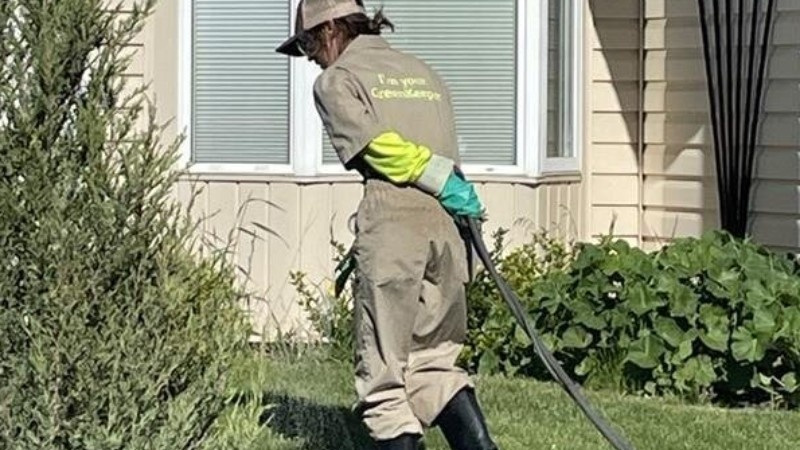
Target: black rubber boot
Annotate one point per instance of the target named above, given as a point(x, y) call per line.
point(463, 424)
point(402, 442)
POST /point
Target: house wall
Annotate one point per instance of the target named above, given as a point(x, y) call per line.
point(777, 193)
point(657, 77)
point(611, 164)
point(294, 223)
point(288, 222)
point(648, 79)
point(680, 185)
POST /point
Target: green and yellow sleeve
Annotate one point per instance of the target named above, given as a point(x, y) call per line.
point(399, 160)
point(403, 161)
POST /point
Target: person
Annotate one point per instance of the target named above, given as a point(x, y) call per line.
point(390, 117)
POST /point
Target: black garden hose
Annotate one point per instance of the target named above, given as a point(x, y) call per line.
point(550, 362)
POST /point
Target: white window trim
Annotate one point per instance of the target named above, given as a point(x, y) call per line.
point(184, 119)
point(305, 127)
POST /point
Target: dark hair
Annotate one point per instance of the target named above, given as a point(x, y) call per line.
point(347, 28)
point(356, 24)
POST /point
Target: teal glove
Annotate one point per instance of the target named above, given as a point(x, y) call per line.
point(459, 198)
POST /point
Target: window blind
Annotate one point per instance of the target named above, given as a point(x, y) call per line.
point(472, 44)
point(240, 84)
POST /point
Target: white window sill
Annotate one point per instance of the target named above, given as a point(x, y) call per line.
point(264, 177)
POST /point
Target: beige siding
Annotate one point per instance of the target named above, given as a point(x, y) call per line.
point(776, 195)
point(679, 184)
point(611, 160)
point(276, 228)
point(676, 193)
point(679, 191)
point(134, 76)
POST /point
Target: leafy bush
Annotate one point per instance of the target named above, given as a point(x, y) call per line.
point(112, 333)
point(711, 318)
point(493, 342)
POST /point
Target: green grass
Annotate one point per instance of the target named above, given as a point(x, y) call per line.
point(304, 404)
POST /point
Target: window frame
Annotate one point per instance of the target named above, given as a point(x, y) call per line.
point(305, 150)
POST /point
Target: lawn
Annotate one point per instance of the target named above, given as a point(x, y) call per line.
point(303, 403)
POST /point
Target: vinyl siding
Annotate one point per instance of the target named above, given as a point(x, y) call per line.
point(776, 195)
point(679, 186)
point(679, 191)
point(612, 161)
point(288, 227)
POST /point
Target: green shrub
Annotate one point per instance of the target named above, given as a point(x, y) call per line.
point(711, 318)
point(703, 319)
point(112, 334)
point(493, 342)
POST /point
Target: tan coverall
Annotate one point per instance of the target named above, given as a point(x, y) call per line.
point(410, 299)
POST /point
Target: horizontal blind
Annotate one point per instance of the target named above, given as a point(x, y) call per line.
point(240, 84)
point(472, 44)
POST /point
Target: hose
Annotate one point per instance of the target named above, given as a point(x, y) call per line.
point(547, 358)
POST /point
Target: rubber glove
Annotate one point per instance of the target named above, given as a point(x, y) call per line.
point(459, 198)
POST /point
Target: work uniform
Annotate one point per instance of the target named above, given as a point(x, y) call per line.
point(410, 299)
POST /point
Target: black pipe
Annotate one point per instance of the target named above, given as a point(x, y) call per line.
point(739, 141)
point(750, 69)
point(728, 94)
point(717, 144)
point(721, 119)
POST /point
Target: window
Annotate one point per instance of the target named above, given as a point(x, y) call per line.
point(511, 66)
point(240, 103)
point(562, 117)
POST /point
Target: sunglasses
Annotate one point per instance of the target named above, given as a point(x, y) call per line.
point(307, 44)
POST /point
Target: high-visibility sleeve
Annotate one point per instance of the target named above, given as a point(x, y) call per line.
point(399, 160)
point(403, 161)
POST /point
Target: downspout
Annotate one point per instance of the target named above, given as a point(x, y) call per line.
point(640, 129)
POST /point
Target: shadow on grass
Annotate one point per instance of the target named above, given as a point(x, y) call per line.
point(321, 427)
